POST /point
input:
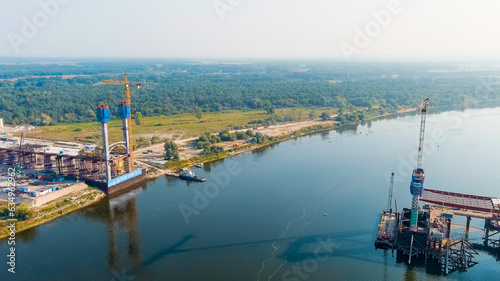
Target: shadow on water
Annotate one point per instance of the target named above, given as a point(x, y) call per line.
point(492, 251)
point(298, 248)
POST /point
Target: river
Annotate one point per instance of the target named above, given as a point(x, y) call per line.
point(304, 209)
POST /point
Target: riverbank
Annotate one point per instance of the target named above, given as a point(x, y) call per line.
point(87, 196)
point(191, 155)
point(77, 199)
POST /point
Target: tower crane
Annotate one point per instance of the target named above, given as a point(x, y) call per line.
point(127, 102)
point(418, 176)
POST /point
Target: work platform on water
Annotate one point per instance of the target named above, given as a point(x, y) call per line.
point(431, 244)
point(424, 234)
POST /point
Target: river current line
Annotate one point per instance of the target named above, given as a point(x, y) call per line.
point(283, 233)
point(327, 190)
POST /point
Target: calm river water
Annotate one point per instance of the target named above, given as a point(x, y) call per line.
point(304, 209)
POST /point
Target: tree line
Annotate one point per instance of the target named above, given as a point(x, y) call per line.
point(175, 87)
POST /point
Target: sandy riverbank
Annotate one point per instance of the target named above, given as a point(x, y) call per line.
point(285, 131)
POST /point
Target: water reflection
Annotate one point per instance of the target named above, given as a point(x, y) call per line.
point(28, 235)
point(123, 211)
point(348, 130)
point(115, 211)
point(325, 135)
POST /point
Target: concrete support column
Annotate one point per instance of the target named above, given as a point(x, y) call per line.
point(486, 231)
point(125, 135)
point(105, 144)
point(448, 226)
point(467, 228)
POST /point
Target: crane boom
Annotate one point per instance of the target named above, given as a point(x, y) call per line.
point(391, 188)
point(423, 110)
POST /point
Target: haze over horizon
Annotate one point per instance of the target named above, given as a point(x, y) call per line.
point(354, 30)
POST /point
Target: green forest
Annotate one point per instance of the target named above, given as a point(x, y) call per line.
point(68, 91)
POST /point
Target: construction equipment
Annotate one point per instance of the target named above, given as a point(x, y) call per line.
point(389, 200)
point(20, 155)
point(418, 176)
point(128, 102)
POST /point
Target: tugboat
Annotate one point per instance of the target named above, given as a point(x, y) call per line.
point(187, 174)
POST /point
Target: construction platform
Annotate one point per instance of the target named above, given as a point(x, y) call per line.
point(431, 244)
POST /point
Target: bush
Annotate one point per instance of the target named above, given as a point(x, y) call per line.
point(214, 149)
point(324, 116)
point(23, 212)
point(171, 150)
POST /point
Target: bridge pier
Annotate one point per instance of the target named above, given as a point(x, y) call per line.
point(486, 231)
point(467, 228)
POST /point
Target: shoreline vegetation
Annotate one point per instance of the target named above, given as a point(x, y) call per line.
point(36, 216)
point(172, 167)
point(77, 200)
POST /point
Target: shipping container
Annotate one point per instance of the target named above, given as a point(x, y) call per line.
point(42, 191)
point(448, 215)
point(24, 189)
point(437, 235)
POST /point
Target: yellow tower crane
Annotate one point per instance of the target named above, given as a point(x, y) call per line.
point(128, 102)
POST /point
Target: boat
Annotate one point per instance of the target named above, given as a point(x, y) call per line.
point(187, 174)
point(386, 234)
point(199, 165)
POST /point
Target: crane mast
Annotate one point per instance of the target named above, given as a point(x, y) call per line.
point(391, 188)
point(418, 176)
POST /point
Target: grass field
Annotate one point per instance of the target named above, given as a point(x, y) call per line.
point(177, 126)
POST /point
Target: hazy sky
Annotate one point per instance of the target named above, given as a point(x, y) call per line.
point(249, 28)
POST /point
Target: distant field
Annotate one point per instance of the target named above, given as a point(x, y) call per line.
point(177, 126)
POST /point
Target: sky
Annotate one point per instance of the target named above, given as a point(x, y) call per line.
point(345, 29)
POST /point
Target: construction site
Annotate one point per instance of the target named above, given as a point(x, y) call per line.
point(424, 235)
point(47, 170)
